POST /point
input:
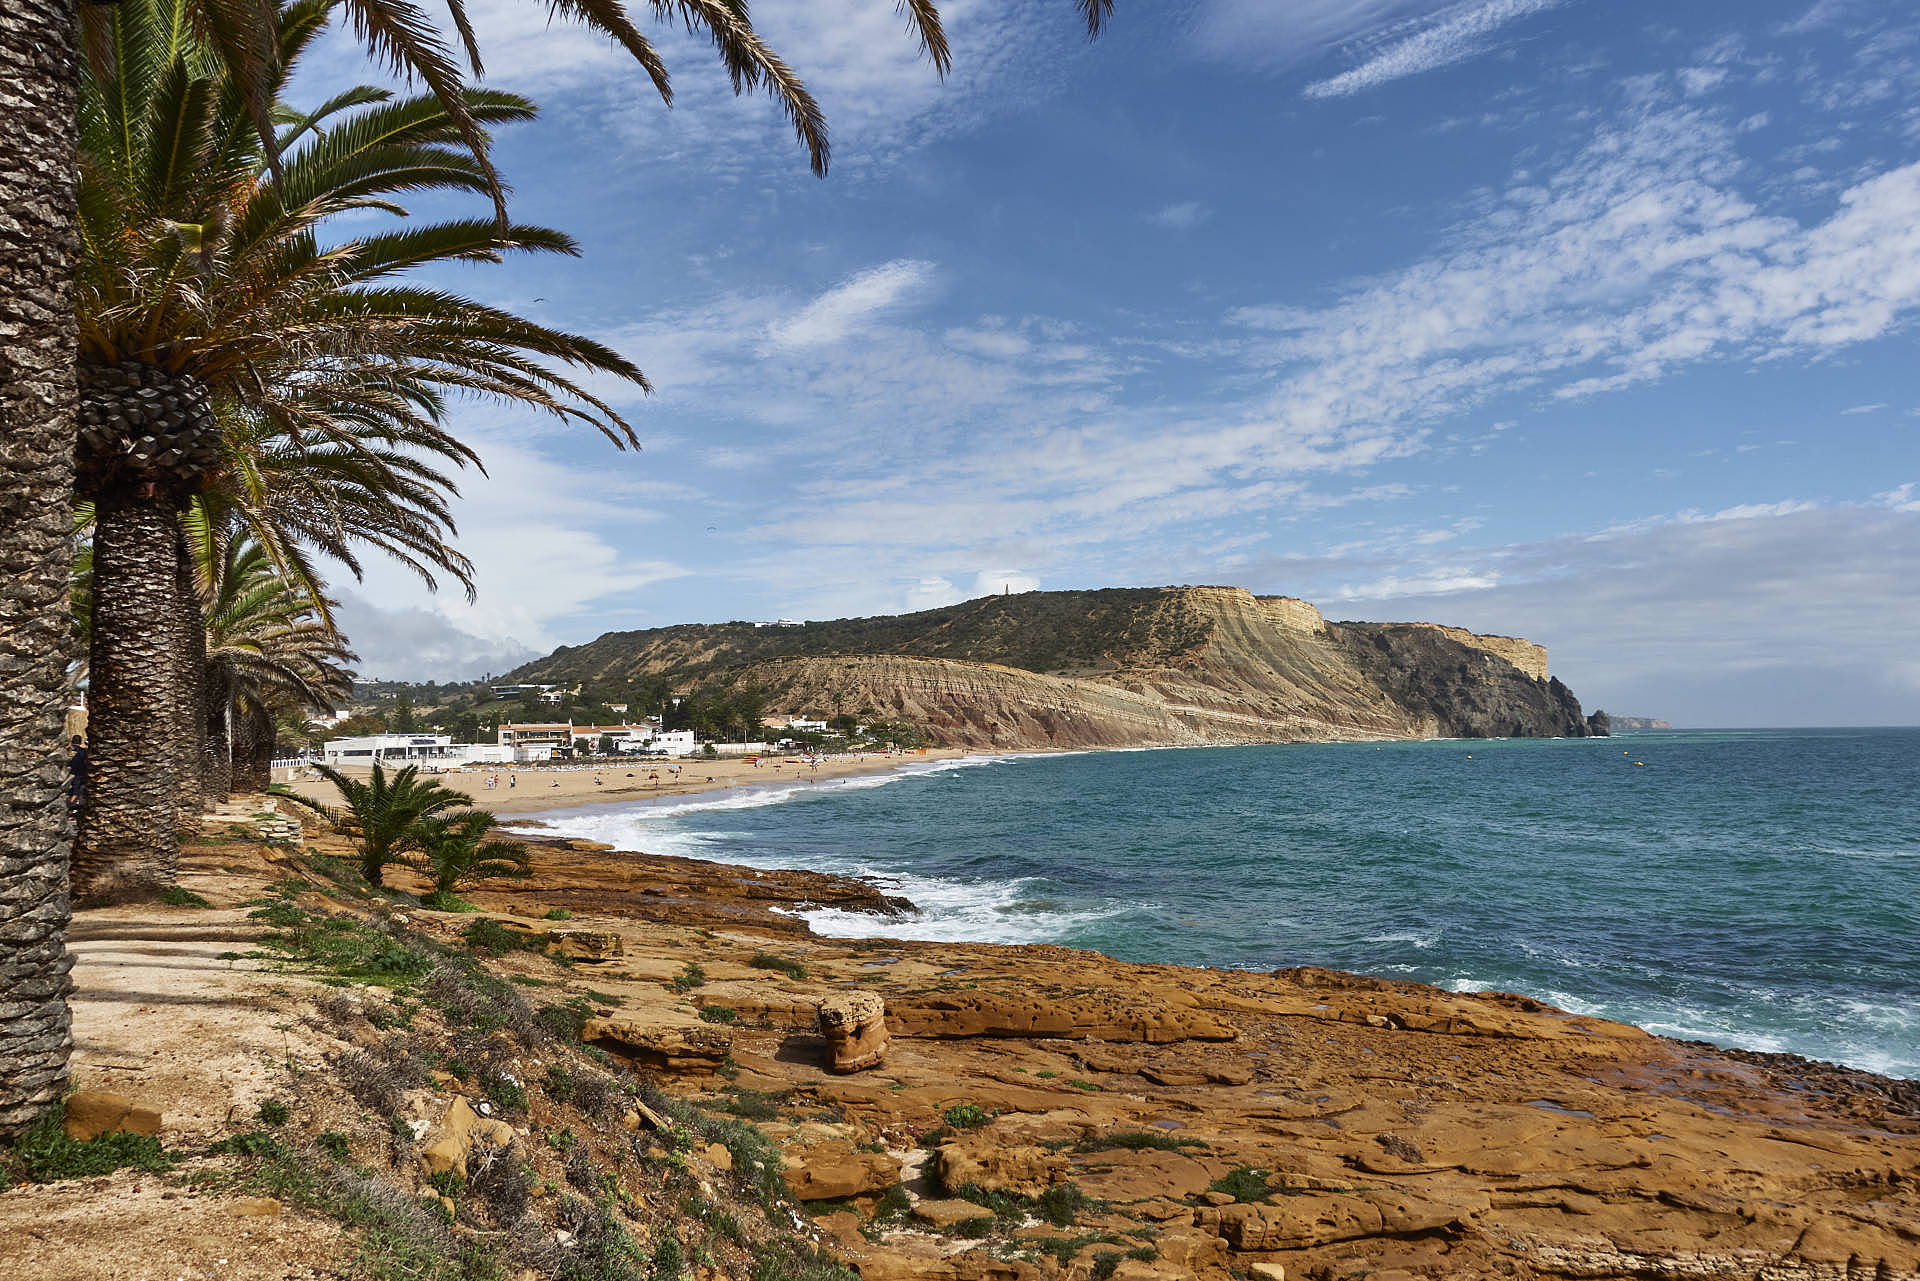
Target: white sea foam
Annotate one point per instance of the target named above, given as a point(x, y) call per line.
point(1418, 940)
point(961, 912)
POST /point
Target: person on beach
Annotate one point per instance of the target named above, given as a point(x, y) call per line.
point(513, 781)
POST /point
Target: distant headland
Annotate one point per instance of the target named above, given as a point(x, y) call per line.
point(1114, 667)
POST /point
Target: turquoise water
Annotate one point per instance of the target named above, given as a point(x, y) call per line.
point(1752, 888)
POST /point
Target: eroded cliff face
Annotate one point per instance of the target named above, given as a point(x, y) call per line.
point(1117, 668)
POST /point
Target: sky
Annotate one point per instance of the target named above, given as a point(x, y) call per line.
point(1588, 322)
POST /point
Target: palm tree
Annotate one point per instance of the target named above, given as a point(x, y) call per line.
point(383, 816)
point(207, 296)
point(453, 849)
point(36, 485)
point(38, 62)
point(268, 650)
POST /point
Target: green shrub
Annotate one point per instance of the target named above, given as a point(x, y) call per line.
point(719, 1014)
point(558, 914)
point(754, 1105)
point(1078, 1084)
point(1243, 1183)
point(768, 961)
point(488, 936)
point(1061, 1202)
point(690, 977)
point(45, 1154)
point(334, 1144)
point(273, 1112)
point(504, 1092)
point(966, 1116)
point(1137, 1141)
point(174, 896)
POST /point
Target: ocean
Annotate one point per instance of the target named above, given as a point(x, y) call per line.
point(1754, 888)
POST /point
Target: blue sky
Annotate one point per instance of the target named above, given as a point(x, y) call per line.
point(1586, 322)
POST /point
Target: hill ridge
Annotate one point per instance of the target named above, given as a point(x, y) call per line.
point(1118, 666)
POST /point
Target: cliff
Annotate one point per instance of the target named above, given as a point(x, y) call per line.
point(1639, 722)
point(1113, 668)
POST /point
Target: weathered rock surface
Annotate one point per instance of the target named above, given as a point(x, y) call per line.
point(855, 1025)
point(451, 1140)
point(1393, 1128)
point(833, 1171)
point(663, 1041)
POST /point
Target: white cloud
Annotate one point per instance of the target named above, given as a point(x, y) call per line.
point(1773, 620)
point(1865, 409)
point(1452, 35)
point(837, 312)
point(1440, 582)
point(542, 536)
point(1180, 217)
point(1900, 498)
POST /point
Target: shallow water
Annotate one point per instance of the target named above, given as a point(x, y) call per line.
point(1752, 888)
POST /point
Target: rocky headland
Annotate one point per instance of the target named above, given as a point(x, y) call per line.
point(1122, 667)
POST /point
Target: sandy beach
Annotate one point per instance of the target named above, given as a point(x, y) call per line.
point(527, 789)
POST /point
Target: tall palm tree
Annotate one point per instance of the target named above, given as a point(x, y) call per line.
point(267, 650)
point(38, 64)
point(207, 294)
point(36, 485)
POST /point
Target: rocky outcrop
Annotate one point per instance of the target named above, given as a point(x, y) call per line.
point(1462, 690)
point(855, 1025)
point(1115, 668)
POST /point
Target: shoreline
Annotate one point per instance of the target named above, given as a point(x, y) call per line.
point(558, 793)
point(533, 789)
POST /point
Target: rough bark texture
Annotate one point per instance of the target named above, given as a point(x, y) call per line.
point(128, 847)
point(219, 740)
point(38, 86)
point(253, 753)
point(190, 690)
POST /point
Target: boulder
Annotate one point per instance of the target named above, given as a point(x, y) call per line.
point(587, 945)
point(446, 1145)
point(943, 1214)
point(1023, 1171)
point(834, 1170)
point(855, 1025)
point(92, 1113)
point(668, 1042)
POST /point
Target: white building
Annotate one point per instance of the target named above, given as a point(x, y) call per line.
point(421, 749)
point(405, 748)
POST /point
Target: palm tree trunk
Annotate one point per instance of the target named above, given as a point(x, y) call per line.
point(39, 81)
point(190, 687)
point(217, 731)
point(128, 846)
point(253, 757)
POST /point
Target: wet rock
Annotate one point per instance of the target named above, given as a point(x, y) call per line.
point(855, 1026)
